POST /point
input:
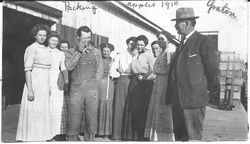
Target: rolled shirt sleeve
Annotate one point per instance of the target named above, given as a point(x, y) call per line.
point(71, 59)
point(114, 67)
point(62, 65)
point(64, 70)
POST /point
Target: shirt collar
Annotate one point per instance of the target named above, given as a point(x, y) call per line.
point(187, 36)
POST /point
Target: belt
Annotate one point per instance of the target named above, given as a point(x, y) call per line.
point(124, 74)
point(144, 76)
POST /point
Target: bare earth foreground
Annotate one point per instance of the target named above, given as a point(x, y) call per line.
point(219, 125)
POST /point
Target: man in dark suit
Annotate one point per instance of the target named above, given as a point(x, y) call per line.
point(193, 70)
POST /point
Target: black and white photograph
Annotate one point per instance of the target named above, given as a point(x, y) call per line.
point(124, 71)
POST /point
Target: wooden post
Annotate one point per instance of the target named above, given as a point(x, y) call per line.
point(232, 85)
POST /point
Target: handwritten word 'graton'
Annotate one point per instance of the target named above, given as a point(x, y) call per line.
point(225, 9)
point(78, 6)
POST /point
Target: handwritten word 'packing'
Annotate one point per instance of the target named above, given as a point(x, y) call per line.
point(78, 6)
point(225, 9)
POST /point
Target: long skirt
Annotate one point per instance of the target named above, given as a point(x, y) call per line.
point(34, 117)
point(105, 107)
point(159, 126)
point(119, 104)
point(58, 105)
point(136, 109)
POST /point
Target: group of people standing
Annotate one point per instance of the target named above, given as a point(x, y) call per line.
point(139, 95)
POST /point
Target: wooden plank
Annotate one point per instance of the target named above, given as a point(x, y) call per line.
point(237, 66)
point(238, 81)
point(237, 73)
point(224, 56)
point(220, 125)
point(236, 88)
point(236, 95)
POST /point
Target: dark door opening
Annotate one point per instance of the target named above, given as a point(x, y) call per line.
point(16, 37)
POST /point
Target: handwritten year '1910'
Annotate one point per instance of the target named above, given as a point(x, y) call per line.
point(169, 4)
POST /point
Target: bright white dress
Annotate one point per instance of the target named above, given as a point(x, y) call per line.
point(57, 100)
point(34, 117)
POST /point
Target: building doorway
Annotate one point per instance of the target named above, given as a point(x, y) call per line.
point(16, 37)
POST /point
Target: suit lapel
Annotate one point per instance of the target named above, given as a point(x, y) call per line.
point(192, 37)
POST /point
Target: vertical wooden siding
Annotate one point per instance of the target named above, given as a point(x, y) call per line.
point(107, 23)
point(69, 34)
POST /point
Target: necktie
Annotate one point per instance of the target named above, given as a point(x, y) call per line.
point(182, 43)
point(178, 50)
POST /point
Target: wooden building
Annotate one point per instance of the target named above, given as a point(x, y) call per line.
point(111, 21)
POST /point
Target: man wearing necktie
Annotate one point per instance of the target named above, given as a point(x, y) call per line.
point(192, 74)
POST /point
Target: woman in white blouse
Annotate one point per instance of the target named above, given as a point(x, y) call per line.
point(58, 81)
point(34, 116)
point(139, 92)
point(122, 66)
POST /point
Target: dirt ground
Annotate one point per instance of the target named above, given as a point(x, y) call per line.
point(219, 125)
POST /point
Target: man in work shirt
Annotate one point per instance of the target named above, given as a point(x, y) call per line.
point(85, 64)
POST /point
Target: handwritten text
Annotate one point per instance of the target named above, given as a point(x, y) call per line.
point(163, 4)
point(169, 4)
point(225, 9)
point(79, 6)
point(141, 5)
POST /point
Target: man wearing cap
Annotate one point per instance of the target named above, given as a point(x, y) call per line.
point(193, 70)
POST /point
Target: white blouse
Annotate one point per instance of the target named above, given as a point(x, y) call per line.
point(122, 65)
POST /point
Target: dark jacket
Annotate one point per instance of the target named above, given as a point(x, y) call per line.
point(196, 71)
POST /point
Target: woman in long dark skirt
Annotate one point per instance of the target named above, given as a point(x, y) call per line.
point(121, 68)
point(139, 93)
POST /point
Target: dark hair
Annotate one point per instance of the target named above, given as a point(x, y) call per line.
point(158, 33)
point(166, 34)
point(162, 44)
point(107, 45)
point(142, 38)
point(84, 29)
point(154, 42)
point(65, 41)
point(130, 39)
point(54, 34)
point(193, 22)
point(39, 27)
